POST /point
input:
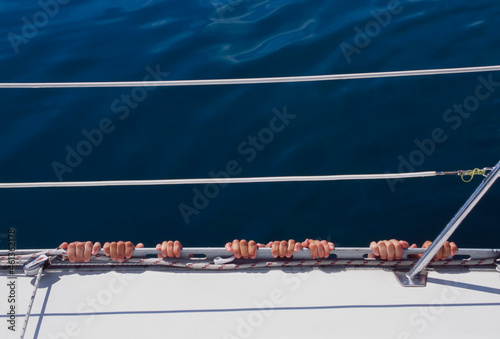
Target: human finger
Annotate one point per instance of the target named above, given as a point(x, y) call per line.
point(177, 248)
point(80, 251)
point(446, 250)
point(313, 247)
point(96, 248)
point(321, 250)
point(439, 254)
point(390, 249)
point(290, 248)
point(112, 250)
point(398, 249)
point(64, 246)
point(453, 248)
point(326, 248)
point(107, 249)
point(158, 248)
point(72, 252)
point(297, 247)
point(404, 243)
point(170, 249)
point(87, 252)
point(374, 248)
point(244, 248)
point(228, 247)
point(236, 249)
point(331, 245)
point(275, 249)
point(163, 249)
point(129, 248)
point(283, 248)
point(120, 251)
point(252, 249)
point(139, 245)
point(382, 249)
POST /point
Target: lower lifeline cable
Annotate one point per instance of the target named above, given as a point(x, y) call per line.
point(244, 180)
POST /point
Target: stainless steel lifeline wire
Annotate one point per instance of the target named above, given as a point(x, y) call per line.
point(235, 180)
point(247, 81)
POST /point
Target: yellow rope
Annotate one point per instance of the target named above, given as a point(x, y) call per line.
point(472, 173)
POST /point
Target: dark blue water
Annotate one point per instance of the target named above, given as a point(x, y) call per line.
point(339, 127)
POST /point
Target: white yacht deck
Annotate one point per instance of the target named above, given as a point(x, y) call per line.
point(294, 302)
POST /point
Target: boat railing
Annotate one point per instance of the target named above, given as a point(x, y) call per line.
point(411, 274)
point(414, 277)
point(218, 258)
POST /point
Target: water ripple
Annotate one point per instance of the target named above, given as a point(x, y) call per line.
point(269, 45)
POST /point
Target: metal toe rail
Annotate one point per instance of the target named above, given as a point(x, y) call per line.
point(206, 258)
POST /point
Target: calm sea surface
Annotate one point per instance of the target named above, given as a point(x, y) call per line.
point(404, 124)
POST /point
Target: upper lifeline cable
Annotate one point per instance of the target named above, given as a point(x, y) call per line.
point(246, 81)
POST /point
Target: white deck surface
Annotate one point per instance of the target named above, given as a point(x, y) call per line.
point(291, 303)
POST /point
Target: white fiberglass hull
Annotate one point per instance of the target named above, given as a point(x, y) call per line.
point(294, 302)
